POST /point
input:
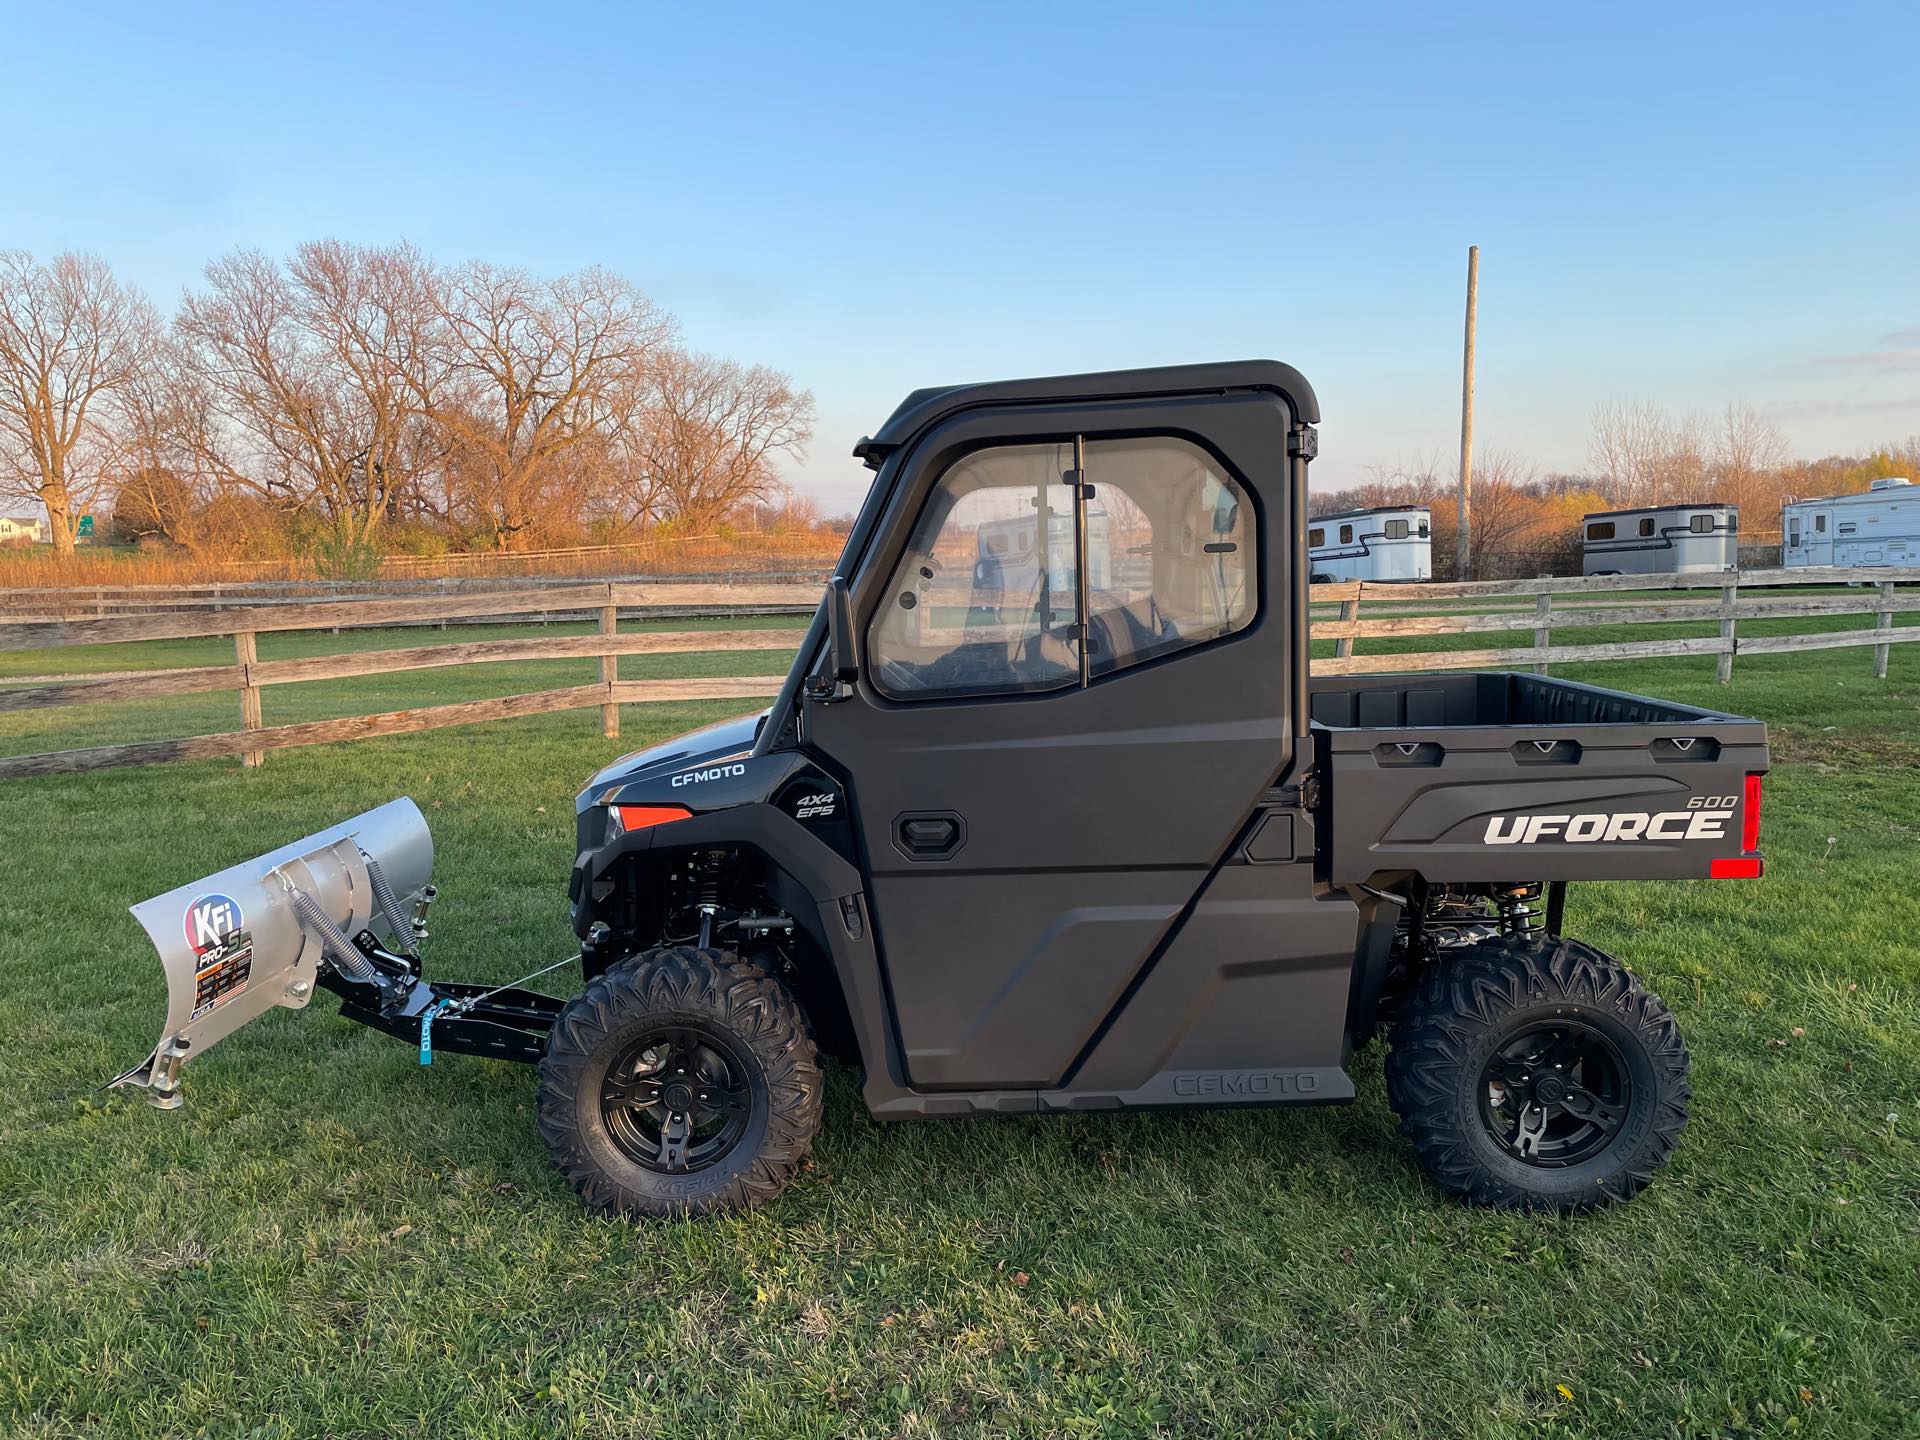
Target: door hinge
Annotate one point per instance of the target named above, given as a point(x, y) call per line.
point(1304, 442)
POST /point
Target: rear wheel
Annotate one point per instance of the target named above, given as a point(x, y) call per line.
point(680, 1082)
point(1537, 1073)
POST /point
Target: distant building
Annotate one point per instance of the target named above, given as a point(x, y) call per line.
point(16, 528)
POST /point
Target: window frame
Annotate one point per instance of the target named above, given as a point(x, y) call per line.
point(1403, 533)
point(1695, 525)
point(1600, 530)
point(1082, 492)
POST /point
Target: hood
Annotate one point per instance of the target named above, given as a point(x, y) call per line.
point(730, 738)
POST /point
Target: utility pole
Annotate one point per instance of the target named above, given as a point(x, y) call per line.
point(1462, 537)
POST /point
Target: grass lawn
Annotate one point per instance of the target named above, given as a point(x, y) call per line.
point(328, 1240)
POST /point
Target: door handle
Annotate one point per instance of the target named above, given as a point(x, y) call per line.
point(929, 834)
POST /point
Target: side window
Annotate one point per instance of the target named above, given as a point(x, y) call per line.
point(1346, 534)
point(1700, 524)
point(1397, 530)
point(1170, 551)
point(986, 599)
point(1600, 530)
point(1819, 524)
point(1316, 537)
point(1793, 532)
point(1646, 525)
point(1426, 528)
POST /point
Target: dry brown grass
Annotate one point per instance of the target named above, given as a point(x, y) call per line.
point(811, 552)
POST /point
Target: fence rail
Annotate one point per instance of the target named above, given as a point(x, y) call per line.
point(1568, 602)
point(1344, 613)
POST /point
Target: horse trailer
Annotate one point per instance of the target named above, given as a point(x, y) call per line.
point(1879, 526)
point(1660, 540)
point(1392, 542)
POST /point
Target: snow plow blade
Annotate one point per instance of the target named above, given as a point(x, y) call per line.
point(265, 933)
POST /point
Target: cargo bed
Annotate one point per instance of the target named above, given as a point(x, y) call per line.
point(1502, 776)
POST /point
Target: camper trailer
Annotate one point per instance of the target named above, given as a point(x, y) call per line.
point(1880, 526)
point(1391, 543)
point(1661, 540)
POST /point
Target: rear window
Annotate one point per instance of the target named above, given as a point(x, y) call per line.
point(1600, 530)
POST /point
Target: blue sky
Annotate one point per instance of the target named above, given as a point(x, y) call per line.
point(1685, 203)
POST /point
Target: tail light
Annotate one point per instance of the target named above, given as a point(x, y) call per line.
point(1747, 865)
point(1750, 816)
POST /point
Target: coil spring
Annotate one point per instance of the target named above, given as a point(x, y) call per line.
point(389, 906)
point(333, 940)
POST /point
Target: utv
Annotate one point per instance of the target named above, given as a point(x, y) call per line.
point(1050, 816)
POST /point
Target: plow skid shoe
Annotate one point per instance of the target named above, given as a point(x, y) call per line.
point(240, 943)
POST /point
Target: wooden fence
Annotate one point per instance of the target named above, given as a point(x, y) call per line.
point(1539, 606)
point(1346, 614)
point(249, 675)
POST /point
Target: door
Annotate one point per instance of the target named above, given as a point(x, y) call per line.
point(1073, 690)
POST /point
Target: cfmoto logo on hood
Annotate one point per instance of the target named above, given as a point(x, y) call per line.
point(712, 772)
point(1705, 818)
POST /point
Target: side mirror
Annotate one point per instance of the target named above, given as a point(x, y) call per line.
point(841, 668)
point(846, 668)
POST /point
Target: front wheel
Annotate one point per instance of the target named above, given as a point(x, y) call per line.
point(680, 1082)
point(1537, 1073)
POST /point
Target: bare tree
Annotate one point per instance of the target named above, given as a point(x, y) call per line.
point(1748, 452)
point(72, 339)
point(322, 366)
point(712, 431)
point(544, 375)
point(1627, 443)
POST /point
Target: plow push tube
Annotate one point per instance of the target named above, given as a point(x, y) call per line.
point(267, 932)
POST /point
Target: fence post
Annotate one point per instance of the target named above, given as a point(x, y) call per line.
point(1723, 662)
point(1543, 625)
point(245, 655)
point(609, 672)
point(1883, 625)
point(1349, 610)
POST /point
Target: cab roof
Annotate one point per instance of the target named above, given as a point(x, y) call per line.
point(924, 408)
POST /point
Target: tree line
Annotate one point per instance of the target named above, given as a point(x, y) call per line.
point(354, 398)
point(1639, 454)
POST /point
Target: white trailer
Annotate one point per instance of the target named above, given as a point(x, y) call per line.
point(1878, 526)
point(1394, 542)
point(1660, 540)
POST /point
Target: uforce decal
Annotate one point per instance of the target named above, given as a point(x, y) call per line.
point(1705, 818)
point(712, 772)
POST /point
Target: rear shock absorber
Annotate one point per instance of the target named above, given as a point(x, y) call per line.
point(1517, 915)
